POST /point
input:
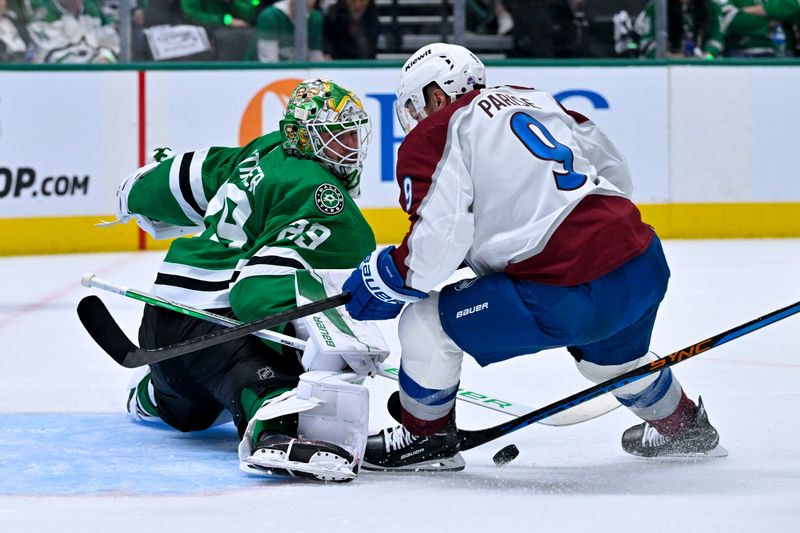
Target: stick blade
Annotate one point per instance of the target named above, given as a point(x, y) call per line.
point(105, 331)
point(582, 412)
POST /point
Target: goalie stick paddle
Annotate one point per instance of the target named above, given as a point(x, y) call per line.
point(106, 332)
point(473, 438)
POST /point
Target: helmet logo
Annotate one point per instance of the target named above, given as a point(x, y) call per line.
point(329, 199)
point(418, 58)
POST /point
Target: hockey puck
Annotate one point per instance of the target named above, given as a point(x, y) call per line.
point(506, 455)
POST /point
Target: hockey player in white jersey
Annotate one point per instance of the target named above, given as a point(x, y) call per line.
point(536, 199)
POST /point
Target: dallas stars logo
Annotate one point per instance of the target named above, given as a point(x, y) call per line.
point(329, 199)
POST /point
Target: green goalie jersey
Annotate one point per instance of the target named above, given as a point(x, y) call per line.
point(262, 214)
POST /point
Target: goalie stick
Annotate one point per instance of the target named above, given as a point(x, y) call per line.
point(107, 333)
point(473, 438)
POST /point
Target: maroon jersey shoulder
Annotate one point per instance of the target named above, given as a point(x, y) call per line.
point(423, 147)
point(417, 159)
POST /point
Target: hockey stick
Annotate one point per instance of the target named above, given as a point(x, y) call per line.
point(471, 439)
point(107, 334)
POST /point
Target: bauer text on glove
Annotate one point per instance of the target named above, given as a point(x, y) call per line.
point(377, 289)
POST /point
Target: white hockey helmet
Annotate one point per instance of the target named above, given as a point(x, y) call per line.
point(453, 68)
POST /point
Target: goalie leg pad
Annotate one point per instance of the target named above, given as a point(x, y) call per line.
point(341, 415)
point(333, 415)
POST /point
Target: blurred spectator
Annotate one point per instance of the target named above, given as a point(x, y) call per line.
point(545, 28)
point(687, 24)
point(784, 16)
point(110, 10)
point(71, 31)
point(712, 28)
point(232, 13)
point(274, 40)
point(14, 39)
point(229, 22)
point(489, 16)
point(736, 33)
point(351, 30)
point(787, 11)
point(505, 22)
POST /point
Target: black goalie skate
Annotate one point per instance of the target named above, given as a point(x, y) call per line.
point(396, 449)
point(282, 455)
point(700, 438)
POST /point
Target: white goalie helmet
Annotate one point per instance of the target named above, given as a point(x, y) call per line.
point(453, 68)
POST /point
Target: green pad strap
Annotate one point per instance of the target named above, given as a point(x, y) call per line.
point(251, 403)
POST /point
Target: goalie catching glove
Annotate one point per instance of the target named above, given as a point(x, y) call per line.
point(377, 289)
point(155, 228)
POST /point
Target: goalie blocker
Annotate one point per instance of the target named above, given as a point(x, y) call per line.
point(331, 403)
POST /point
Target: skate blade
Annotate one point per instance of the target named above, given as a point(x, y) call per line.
point(333, 468)
point(719, 451)
point(450, 464)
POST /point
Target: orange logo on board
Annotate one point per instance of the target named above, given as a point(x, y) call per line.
point(252, 119)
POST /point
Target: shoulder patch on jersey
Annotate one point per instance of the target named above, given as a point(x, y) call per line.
point(329, 199)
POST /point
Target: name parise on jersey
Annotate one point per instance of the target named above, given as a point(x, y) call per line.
point(508, 180)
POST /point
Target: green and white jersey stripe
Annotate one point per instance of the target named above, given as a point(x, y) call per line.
point(198, 287)
point(262, 216)
point(272, 261)
point(186, 185)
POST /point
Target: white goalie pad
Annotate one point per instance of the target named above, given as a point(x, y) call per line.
point(342, 414)
point(336, 341)
point(332, 406)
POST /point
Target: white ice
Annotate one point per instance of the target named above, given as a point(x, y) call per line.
point(566, 478)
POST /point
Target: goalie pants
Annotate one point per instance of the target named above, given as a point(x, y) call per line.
point(606, 324)
point(191, 391)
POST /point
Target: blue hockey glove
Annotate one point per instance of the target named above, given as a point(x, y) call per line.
point(377, 289)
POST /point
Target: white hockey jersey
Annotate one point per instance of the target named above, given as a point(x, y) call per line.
point(508, 180)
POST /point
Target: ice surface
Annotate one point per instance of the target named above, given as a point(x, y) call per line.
point(71, 461)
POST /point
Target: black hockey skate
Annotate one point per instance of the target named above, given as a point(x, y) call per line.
point(700, 438)
point(396, 449)
point(293, 456)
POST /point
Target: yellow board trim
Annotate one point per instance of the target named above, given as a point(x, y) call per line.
point(723, 221)
point(62, 235)
point(23, 236)
point(671, 221)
